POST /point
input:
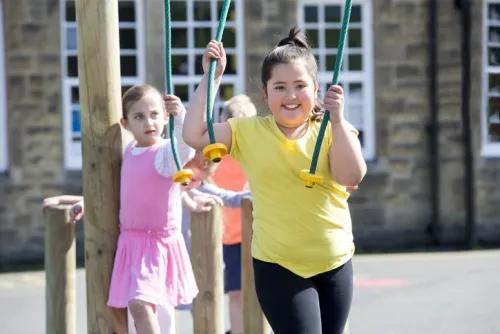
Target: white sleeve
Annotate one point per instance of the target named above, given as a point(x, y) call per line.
point(165, 162)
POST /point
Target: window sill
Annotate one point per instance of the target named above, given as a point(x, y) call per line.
point(491, 151)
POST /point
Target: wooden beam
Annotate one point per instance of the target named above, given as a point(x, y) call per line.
point(254, 321)
point(60, 271)
point(206, 254)
point(100, 100)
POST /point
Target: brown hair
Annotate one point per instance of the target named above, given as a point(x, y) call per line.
point(291, 48)
point(134, 94)
point(239, 106)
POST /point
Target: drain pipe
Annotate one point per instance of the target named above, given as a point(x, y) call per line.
point(433, 127)
point(469, 194)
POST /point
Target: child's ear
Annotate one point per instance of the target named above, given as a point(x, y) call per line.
point(124, 123)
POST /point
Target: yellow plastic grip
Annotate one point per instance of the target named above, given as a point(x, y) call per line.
point(215, 152)
point(310, 179)
point(183, 176)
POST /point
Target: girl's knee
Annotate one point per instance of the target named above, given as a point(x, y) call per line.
point(141, 310)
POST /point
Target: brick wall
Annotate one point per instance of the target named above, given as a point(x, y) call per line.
point(392, 207)
point(33, 77)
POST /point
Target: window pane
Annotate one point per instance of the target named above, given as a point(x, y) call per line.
point(355, 38)
point(76, 129)
point(202, 36)
point(72, 66)
point(71, 39)
point(494, 35)
point(229, 38)
point(333, 14)
point(125, 88)
point(355, 63)
point(232, 63)
point(494, 84)
point(179, 65)
point(198, 66)
point(179, 38)
point(127, 39)
point(231, 13)
point(226, 91)
point(494, 56)
point(330, 62)
point(494, 119)
point(182, 92)
point(332, 38)
point(356, 13)
point(311, 14)
point(70, 11)
point(126, 11)
point(494, 12)
point(178, 10)
point(354, 114)
point(128, 66)
point(75, 95)
point(355, 92)
point(201, 10)
point(313, 37)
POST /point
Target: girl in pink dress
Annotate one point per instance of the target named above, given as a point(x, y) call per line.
point(152, 267)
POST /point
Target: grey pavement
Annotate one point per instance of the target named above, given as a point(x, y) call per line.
point(421, 293)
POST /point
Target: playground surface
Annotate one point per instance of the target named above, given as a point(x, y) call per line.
point(418, 293)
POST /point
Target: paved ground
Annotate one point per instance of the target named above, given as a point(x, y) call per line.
point(444, 293)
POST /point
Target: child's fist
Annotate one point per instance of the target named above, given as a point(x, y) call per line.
point(215, 50)
point(334, 103)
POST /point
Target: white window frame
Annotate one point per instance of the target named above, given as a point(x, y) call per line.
point(237, 80)
point(366, 76)
point(73, 150)
point(488, 149)
point(4, 163)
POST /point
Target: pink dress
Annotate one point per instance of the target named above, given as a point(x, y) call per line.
point(151, 261)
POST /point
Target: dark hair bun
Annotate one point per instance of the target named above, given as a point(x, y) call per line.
point(294, 38)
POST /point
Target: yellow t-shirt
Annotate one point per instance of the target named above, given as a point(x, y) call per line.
point(308, 231)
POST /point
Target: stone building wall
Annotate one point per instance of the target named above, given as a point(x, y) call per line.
point(391, 208)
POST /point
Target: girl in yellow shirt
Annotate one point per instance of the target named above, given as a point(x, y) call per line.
point(302, 241)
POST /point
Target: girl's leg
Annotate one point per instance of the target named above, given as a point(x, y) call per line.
point(145, 318)
point(289, 302)
point(235, 312)
point(232, 285)
point(166, 318)
point(335, 297)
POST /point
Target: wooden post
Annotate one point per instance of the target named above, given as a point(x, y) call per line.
point(254, 321)
point(206, 254)
point(100, 100)
point(60, 271)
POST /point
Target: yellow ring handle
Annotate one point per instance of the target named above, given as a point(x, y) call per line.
point(183, 176)
point(215, 152)
point(310, 179)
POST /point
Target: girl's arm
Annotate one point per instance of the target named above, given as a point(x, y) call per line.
point(195, 130)
point(231, 199)
point(63, 199)
point(347, 164)
point(174, 105)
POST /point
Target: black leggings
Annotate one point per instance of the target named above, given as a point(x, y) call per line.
point(296, 305)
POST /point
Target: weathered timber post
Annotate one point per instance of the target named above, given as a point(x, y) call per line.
point(254, 321)
point(100, 99)
point(60, 271)
point(206, 255)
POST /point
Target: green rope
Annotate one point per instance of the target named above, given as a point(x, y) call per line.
point(336, 72)
point(168, 84)
point(211, 72)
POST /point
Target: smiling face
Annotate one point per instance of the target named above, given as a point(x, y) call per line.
point(291, 93)
point(146, 118)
